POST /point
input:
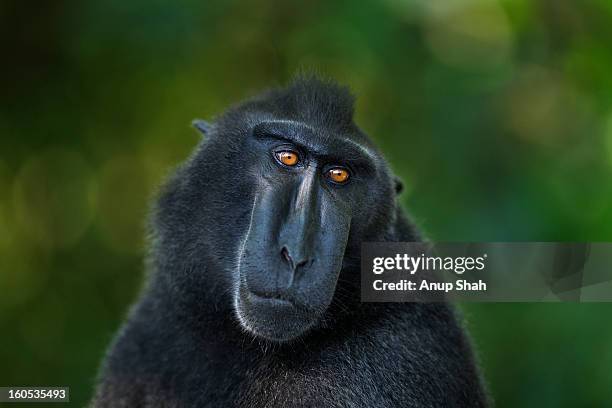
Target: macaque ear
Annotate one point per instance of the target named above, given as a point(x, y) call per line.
point(399, 186)
point(202, 126)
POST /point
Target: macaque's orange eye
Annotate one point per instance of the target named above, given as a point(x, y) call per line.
point(288, 158)
point(338, 175)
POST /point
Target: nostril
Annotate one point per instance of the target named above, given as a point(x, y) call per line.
point(286, 256)
point(294, 266)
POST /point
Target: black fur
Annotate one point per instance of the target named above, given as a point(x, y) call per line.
point(182, 344)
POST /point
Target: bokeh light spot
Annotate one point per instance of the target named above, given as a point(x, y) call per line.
point(54, 198)
point(471, 34)
point(541, 107)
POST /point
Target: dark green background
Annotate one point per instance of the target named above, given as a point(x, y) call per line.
point(497, 115)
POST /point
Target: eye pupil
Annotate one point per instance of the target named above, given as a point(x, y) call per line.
point(338, 175)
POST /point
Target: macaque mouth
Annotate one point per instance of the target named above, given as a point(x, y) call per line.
point(278, 301)
point(275, 316)
point(283, 300)
point(278, 296)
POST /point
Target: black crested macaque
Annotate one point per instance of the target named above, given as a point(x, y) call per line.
point(252, 297)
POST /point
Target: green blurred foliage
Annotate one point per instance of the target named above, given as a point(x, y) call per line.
point(497, 115)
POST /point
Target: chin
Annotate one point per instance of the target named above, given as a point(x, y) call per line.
point(274, 319)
